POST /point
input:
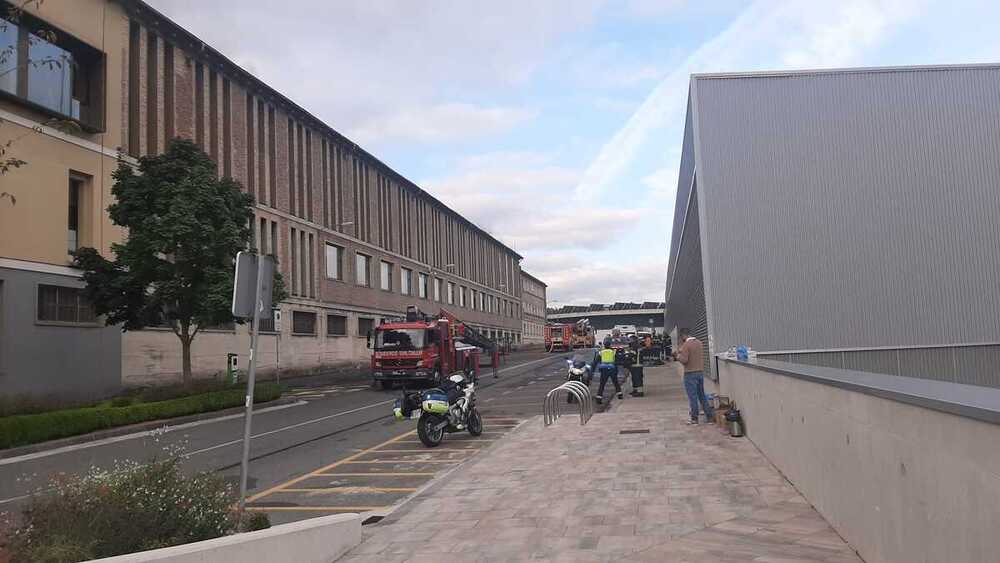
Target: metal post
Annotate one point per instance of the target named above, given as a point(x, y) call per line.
point(245, 462)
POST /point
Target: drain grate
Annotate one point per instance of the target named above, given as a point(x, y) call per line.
point(643, 431)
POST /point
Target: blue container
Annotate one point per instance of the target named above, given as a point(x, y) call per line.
point(742, 353)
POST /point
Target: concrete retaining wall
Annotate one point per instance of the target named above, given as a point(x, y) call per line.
point(317, 540)
point(899, 482)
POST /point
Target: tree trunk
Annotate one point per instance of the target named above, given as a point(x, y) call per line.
point(185, 358)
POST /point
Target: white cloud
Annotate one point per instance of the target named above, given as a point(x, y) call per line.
point(654, 8)
point(610, 66)
point(527, 201)
point(616, 105)
point(778, 34)
point(439, 123)
point(662, 182)
point(576, 280)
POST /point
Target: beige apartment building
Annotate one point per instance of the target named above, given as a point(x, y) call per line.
point(533, 305)
point(356, 241)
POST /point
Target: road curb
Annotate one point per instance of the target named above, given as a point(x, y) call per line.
point(134, 428)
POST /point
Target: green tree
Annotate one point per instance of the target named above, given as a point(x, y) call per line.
point(184, 227)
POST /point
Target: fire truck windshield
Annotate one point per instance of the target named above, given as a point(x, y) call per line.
point(400, 339)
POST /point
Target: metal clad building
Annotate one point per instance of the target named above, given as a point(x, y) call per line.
point(844, 218)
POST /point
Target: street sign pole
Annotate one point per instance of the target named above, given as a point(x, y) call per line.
point(245, 462)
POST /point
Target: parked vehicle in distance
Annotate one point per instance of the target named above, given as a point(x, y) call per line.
point(427, 348)
point(558, 337)
point(583, 334)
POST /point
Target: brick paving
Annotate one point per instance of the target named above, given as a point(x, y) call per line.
point(572, 493)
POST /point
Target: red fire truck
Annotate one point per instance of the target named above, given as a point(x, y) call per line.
point(428, 348)
point(583, 334)
point(558, 337)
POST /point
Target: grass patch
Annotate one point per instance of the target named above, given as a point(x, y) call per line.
point(21, 430)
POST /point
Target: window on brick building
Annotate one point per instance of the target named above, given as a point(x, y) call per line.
point(385, 275)
point(303, 322)
point(336, 325)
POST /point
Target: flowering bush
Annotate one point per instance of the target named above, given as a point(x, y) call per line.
point(131, 507)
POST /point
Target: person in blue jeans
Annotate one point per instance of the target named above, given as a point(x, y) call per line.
point(691, 355)
point(608, 370)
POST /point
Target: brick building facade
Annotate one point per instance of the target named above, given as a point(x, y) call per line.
point(533, 309)
point(355, 240)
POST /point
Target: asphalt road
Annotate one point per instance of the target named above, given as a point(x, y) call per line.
point(336, 449)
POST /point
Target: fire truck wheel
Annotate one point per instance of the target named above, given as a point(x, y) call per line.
point(386, 385)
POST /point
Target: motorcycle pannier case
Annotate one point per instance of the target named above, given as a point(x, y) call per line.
point(435, 402)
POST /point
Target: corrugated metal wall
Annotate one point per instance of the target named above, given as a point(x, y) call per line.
point(971, 365)
point(852, 209)
point(686, 303)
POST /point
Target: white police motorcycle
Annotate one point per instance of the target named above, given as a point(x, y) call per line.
point(448, 408)
point(580, 368)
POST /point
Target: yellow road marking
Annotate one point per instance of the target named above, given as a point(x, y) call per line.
point(427, 451)
point(402, 474)
point(348, 459)
point(316, 508)
point(397, 461)
point(352, 490)
point(459, 441)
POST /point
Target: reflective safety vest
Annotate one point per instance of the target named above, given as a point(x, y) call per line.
point(607, 356)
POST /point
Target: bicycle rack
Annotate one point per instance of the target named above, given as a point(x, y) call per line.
point(550, 408)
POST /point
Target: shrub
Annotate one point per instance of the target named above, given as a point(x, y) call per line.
point(168, 392)
point(132, 507)
point(121, 401)
point(33, 428)
point(11, 405)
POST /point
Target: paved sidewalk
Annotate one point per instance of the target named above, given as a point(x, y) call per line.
point(572, 493)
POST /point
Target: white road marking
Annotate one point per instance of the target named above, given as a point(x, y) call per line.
point(297, 425)
point(115, 439)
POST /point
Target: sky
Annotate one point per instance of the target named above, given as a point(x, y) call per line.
point(556, 125)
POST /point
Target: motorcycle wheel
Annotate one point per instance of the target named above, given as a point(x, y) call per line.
point(425, 430)
point(475, 423)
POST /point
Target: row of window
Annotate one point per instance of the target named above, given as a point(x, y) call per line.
point(533, 309)
point(532, 288)
point(304, 323)
point(68, 305)
point(533, 329)
point(352, 194)
point(453, 295)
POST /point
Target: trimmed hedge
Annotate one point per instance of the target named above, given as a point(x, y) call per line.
point(21, 430)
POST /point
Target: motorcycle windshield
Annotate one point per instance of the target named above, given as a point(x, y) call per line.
point(403, 339)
